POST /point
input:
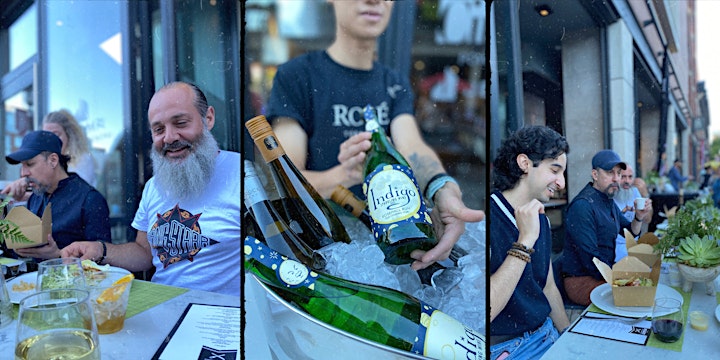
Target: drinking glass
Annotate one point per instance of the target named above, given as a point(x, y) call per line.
point(64, 273)
point(57, 324)
point(667, 319)
point(6, 306)
point(109, 298)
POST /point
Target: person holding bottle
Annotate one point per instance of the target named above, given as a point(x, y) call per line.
point(526, 308)
point(316, 108)
point(188, 221)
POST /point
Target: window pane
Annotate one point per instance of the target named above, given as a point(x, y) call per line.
point(23, 37)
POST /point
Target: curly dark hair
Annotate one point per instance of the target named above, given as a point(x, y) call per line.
point(537, 142)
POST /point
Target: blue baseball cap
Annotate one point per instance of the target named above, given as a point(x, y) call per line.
point(606, 160)
point(33, 144)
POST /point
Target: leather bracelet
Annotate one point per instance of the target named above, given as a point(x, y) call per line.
point(521, 247)
point(520, 255)
point(636, 219)
point(99, 262)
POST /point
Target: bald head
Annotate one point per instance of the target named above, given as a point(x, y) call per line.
point(627, 177)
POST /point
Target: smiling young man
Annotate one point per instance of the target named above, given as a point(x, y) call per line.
point(316, 108)
point(592, 223)
point(188, 221)
point(526, 309)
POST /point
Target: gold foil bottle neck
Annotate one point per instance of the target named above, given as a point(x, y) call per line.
point(264, 137)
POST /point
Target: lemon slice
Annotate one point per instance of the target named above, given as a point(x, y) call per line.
point(113, 293)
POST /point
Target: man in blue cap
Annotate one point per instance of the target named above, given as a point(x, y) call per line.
point(592, 222)
point(79, 212)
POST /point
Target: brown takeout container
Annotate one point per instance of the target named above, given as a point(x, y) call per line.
point(626, 268)
point(34, 228)
point(643, 247)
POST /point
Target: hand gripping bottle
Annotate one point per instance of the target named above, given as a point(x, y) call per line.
point(401, 222)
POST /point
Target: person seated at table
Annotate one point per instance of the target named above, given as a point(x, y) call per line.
point(188, 221)
point(625, 200)
point(592, 223)
point(526, 308)
point(74, 144)
point(675, 175)
point(79, 212)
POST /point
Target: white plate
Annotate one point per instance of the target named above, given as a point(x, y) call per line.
point(602, 297)
point(16, 296)
point(661, 226)
point(717, 312)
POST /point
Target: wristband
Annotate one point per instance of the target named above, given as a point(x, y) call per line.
point(435, 183)
point(103, 254)
point(636, 219)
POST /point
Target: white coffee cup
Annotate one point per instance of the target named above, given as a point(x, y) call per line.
point(640, 203)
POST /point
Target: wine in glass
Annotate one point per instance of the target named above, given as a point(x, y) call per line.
point(667, 319)
point(57, 324)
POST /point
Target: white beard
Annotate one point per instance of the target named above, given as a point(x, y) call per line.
point(188, 177)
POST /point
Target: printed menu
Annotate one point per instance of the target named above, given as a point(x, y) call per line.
point(203, 332)
point(595, 324)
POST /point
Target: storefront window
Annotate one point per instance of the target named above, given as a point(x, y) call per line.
point(204, 57)
point(85, 77)
point(23, 38)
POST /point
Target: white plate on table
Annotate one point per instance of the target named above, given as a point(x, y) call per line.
point(602, 297)
point(31, 277)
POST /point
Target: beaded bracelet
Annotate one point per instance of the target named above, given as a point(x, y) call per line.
point(519, 254)
point(521, 247)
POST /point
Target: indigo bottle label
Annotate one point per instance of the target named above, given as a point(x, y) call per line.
point(291, 273)
point(393, 198)
point(442, 337)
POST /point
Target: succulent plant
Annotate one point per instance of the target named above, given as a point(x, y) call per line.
point(697, 217)
point(701, 252)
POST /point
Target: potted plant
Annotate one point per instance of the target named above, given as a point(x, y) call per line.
point(699, 261)
point(697, 217)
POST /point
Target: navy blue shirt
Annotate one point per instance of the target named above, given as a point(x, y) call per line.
point(528, 306)
point(592, 223)
point(79, 212)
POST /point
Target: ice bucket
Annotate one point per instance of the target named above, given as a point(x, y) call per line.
point(293, 334)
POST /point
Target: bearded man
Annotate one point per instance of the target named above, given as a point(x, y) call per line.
point(592, 223)
point(188, 221)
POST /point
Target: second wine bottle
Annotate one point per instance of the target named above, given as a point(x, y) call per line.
point(304, 210)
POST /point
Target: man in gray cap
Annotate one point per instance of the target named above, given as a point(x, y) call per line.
point(592, 222)
point(79, 212)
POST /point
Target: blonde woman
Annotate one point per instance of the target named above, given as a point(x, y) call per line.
point(74, 144)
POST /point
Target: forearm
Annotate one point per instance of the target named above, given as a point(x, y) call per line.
point(557, 307)
point(503, 283)
point(325, 182)
point(131, 256)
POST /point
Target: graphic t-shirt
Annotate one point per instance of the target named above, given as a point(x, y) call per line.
point(196, 243)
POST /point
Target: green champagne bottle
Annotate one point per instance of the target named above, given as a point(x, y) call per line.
point(303, 209)
point(376, 313)
point(401, 222)
point(275, 232)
